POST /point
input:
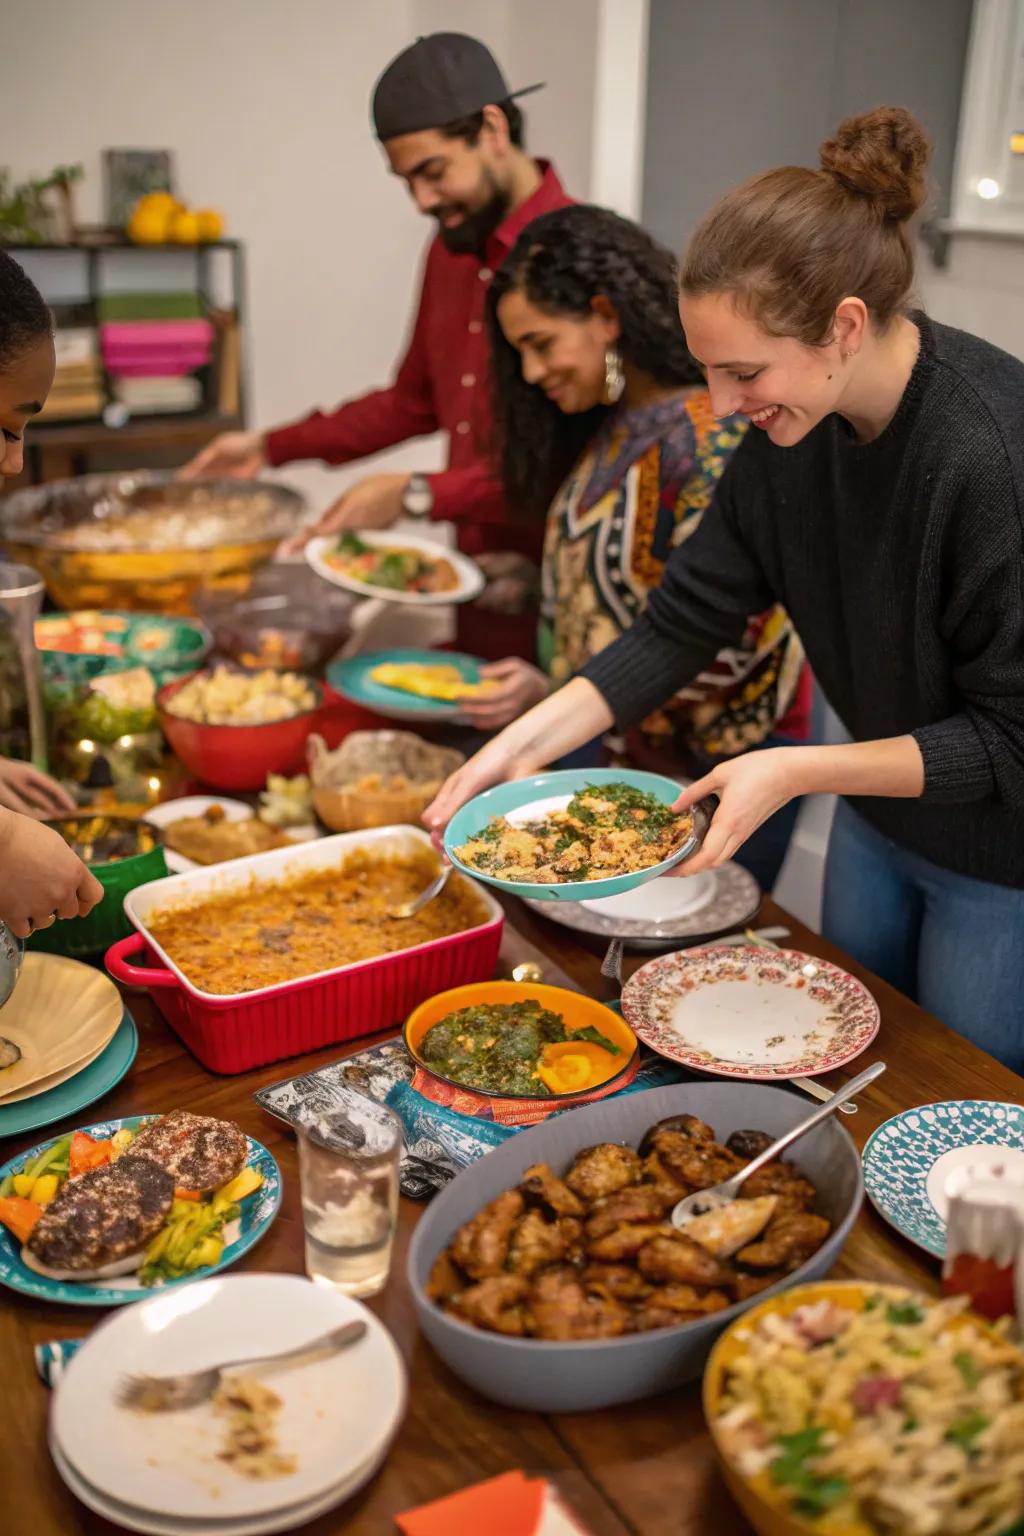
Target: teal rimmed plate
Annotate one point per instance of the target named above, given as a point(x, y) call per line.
point(910, 1160)
point(76, 1092)
point(354, 681)
point(530, 799)
point(257, 1212)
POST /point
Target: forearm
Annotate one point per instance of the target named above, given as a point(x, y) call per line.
point(557, 725)
point(892, 768)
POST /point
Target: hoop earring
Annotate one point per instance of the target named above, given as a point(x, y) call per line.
point(614, 378)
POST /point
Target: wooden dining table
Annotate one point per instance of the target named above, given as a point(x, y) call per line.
point(645, 1468)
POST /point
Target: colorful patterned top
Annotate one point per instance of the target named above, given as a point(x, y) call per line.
point(640, 488)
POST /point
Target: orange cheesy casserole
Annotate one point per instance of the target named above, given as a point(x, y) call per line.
point(265, 934)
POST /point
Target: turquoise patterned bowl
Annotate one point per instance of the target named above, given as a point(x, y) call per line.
point(257, 1212)
point(909, 1161)
point(546, 792)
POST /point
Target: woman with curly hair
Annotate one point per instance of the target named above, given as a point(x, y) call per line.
point(881, 499)
point(605, 428)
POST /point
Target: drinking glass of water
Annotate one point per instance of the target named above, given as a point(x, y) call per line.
point(348, 1161)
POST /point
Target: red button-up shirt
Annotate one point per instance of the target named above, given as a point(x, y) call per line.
point(441, 385)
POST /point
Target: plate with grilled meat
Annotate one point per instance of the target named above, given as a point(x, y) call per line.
point(106, 1214)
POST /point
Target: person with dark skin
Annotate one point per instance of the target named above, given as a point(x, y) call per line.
point(40, 878)
point(452, 132)
point(606, 433)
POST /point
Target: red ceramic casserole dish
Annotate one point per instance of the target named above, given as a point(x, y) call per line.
point(237, 1031)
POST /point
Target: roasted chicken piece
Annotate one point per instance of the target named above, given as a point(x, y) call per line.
point(571, 1229)
point(787, 1183)
point(562, 1309)
point(662, 1179)
point(669, 1305)
point(732, 1226)
point(638, 1202)
point(602, 1170)
point(745, 1286)
point(681, 1125)
point(789, 1239)
point(624, 1241)
point(539, 1183)
point(446, 1279)
point(624, 1282)
point(749, 1144)
point(694, 1164)
point(496, 1303)
point(481, 1246)
point(534, 1243)
point(671, 1256)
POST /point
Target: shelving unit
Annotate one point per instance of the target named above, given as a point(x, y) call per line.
point(57, 449)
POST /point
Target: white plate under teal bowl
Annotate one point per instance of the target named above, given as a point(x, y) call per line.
point(910, 1160)
point(257, 1212)
point(354, 681)
point(76, 1092)
point(665, 913)
point(530, 799)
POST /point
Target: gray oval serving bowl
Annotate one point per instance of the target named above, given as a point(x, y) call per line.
point(550, 1377)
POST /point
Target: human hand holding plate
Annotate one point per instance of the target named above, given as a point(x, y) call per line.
point(749, 789)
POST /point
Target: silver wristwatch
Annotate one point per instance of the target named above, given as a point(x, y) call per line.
point(418, 498)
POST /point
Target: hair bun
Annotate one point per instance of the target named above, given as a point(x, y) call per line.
point(881, 155)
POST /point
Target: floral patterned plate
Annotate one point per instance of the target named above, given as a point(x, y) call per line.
point(910, 1161)
point(257, 1212)
point(751, 1013)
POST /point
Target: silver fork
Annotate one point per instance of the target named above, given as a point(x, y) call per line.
point(163, 1394)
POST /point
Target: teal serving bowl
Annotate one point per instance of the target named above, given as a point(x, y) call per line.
point(188, 645)
point(547, 792)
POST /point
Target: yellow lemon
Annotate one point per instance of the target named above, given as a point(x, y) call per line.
point(211, 224)
point(184, 228)
point(148, 226)
point(158, 202)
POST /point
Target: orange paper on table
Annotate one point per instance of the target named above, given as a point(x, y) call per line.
point(510, 1505)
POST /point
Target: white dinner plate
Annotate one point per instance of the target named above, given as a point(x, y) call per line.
point(337, 1414)
point(470, 576)
point(167, 1525)
point(663, 912)
point(751, 1013)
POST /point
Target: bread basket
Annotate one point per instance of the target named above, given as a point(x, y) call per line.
point(377, 778)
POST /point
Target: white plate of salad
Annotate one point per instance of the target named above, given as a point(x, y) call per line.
point(99, 1217)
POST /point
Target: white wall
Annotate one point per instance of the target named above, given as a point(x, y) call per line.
point(981, 290)
point(266, 107)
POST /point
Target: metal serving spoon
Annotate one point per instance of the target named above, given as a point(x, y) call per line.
point(436, 886)
point(163, 1394)
point(721, 1194)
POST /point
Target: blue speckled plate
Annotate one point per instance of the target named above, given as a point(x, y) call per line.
point(909, 1160)
point(538, 796)
point(257, 1212)
point(353, 679)
point(75, 1092)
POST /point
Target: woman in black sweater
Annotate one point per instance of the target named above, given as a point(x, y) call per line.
point(882, 503)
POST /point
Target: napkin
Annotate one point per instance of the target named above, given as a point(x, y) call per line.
point(53, 1357)
point(438, 1140)
point(510, 1505)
